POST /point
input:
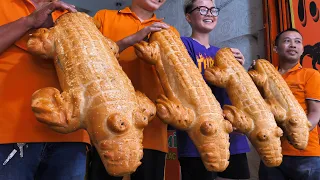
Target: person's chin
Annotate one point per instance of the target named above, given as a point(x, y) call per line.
point(153, 8)
point(154, 5)
point(207, 29)
point(293, 59)
point(209, 26)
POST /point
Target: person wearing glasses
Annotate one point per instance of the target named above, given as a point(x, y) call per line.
point(202, 15)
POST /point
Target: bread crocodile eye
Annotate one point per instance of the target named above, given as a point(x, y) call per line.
point(293, 122)
point(262, 136)
point(141, 121)
point(207, 128)
point(117, 123)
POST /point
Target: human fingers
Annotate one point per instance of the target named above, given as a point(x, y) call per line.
point(60, 5)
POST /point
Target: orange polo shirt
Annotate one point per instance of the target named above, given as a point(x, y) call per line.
point(21, 74)
point(305, 85)
point(117, 25)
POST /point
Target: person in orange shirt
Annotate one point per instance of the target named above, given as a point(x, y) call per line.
point(28, 148)
point(305, 86)
point(127, 27)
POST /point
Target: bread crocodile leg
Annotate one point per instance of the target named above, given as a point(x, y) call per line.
point(216, 76)
point(257, 78)
point(146, 112)
point(174, 113)
point(261, 82)
point(238, 119)
point(148, 52)
point(41, 42)
point(169, 109)
point(59, 111)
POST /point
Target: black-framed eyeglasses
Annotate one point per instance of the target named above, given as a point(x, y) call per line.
point(203, 10)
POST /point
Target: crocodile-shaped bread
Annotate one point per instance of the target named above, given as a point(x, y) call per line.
point(249, 114)
point(97, 95)
point(287, 111)
point(188, 103)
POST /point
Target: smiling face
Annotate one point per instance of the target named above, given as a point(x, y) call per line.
point(290, 46)
point(202, 23)
point(149, 5)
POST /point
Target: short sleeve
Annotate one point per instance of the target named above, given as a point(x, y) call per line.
point(100, 18)
point(312, 87)
point(188, 46)
point(3, 19)
point(56, 14)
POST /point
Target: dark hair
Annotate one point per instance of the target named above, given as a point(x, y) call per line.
point(276, 41)
point(187, 7)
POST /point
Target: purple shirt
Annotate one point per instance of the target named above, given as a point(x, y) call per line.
point(199, 54)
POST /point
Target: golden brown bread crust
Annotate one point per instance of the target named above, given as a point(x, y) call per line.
point(97, 95)
point(249, 113)
point(189, 103)
point(288, 113)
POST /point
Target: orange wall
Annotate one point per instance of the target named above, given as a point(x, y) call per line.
point(300, 14)
point(276, 16)
point(307, 22)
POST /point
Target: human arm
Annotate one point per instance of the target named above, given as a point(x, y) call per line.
point(312, 96)
point(140, 35)
point(41, 17)
point(313, 112)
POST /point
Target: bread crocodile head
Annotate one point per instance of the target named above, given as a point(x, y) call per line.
point(296, 133)
point(113, 139)
point(212, 147)
point(271, 155)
